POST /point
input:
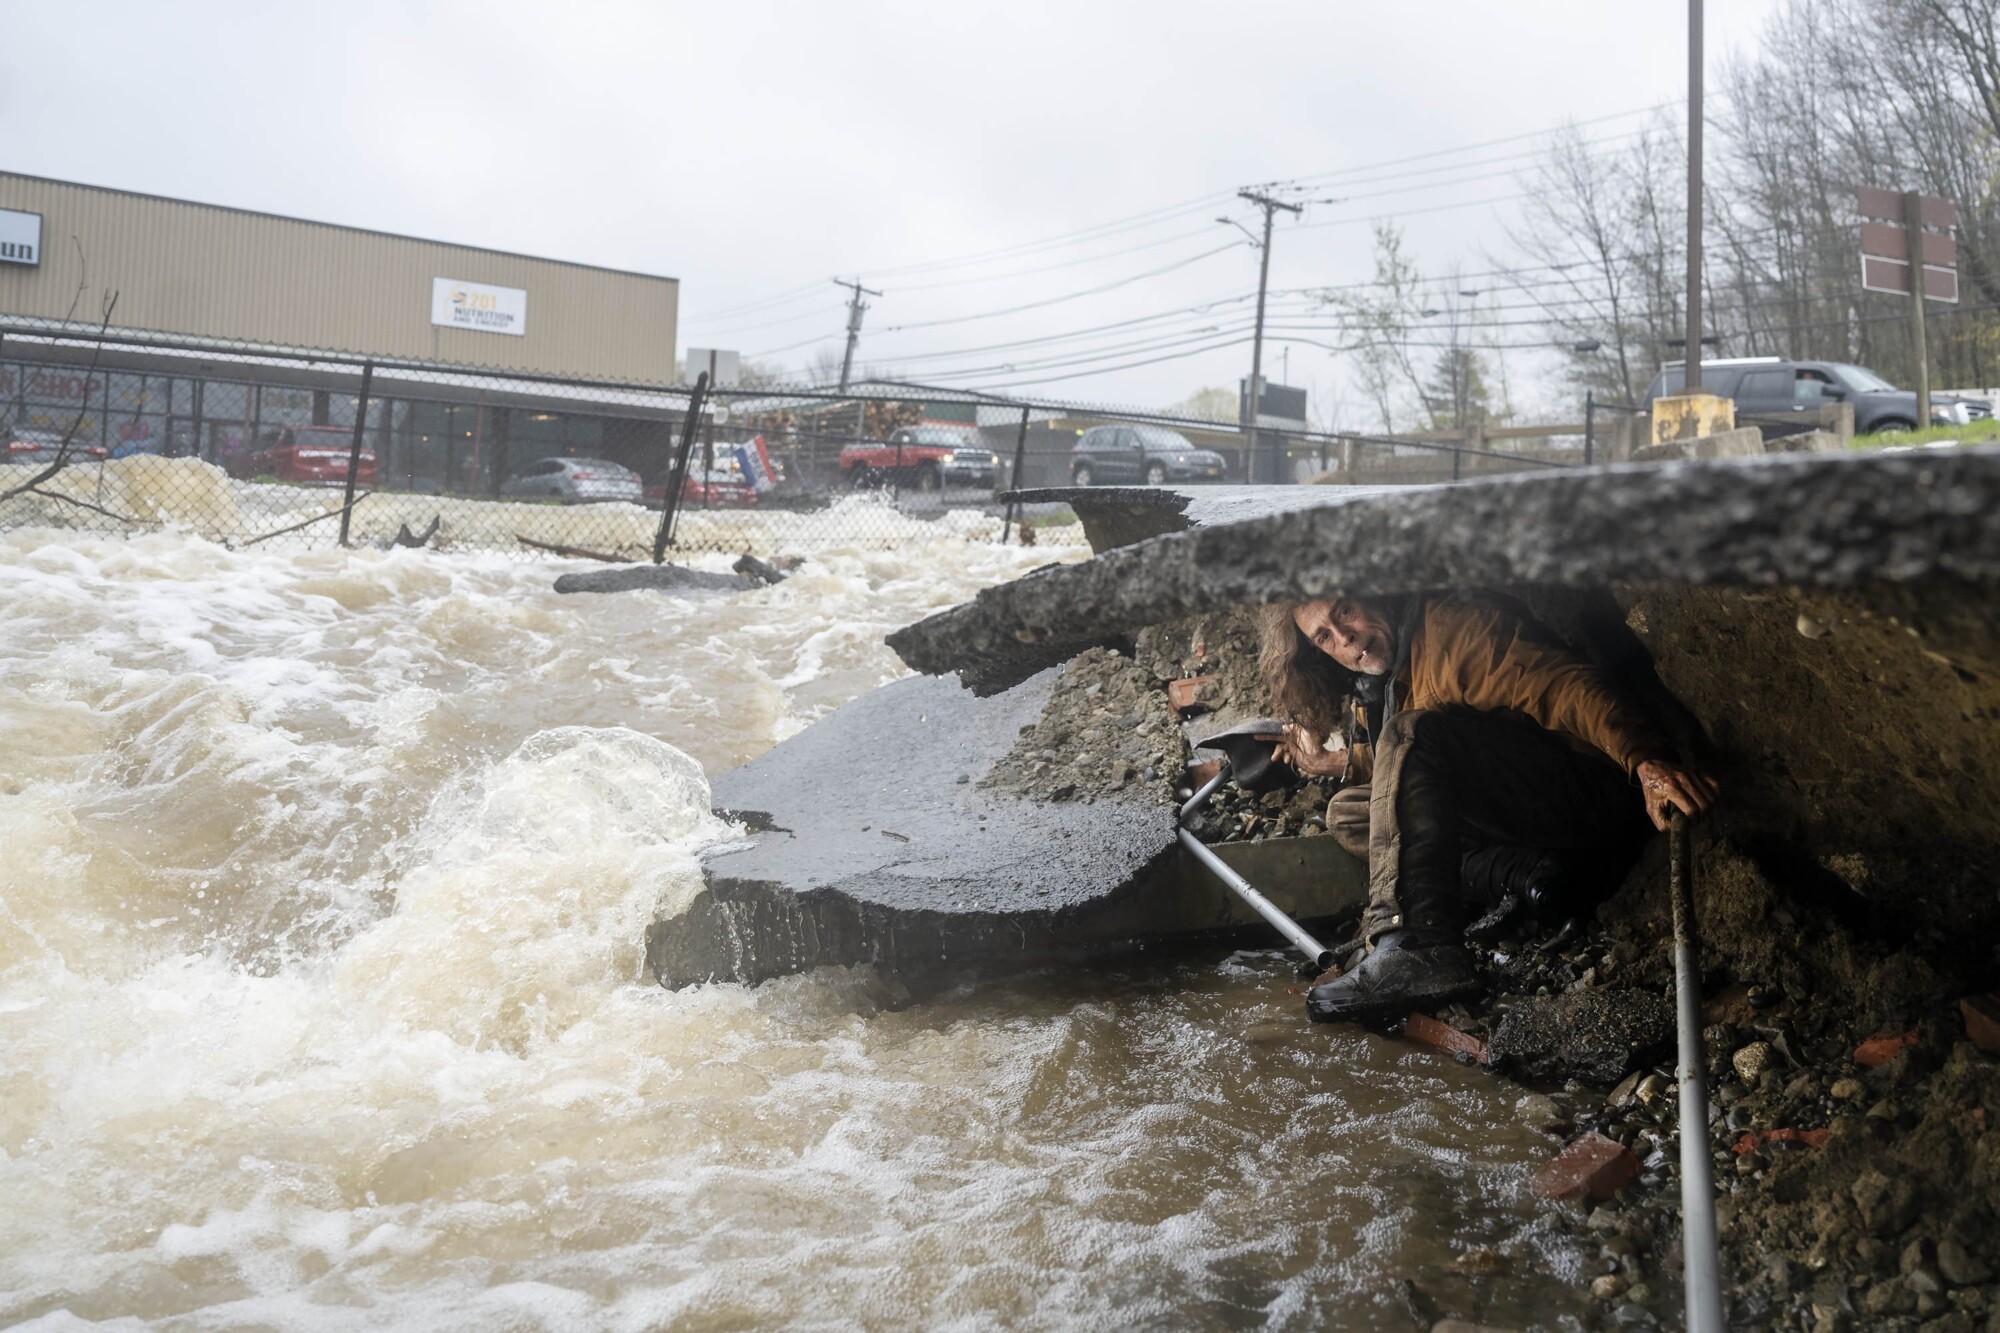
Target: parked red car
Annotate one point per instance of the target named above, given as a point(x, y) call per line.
point(45, 446)
point(719, 490)
point(307, 454)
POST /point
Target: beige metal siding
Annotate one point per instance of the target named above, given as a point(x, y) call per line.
point(217, 272)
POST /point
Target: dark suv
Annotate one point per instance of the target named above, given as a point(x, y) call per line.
point(1767, 386)
point(1151, 454)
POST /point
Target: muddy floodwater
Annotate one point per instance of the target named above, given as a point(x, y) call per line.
point(323, 880)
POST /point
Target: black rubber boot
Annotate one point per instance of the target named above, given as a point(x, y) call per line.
point(1394, 980)
point(1503, 881)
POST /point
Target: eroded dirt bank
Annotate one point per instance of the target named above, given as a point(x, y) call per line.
point(1847, 902)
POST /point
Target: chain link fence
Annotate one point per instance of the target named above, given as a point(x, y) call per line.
point(242, 445)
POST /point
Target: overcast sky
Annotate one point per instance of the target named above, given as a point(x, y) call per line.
point(964, 158)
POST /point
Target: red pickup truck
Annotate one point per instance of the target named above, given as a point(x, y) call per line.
point(924, 458)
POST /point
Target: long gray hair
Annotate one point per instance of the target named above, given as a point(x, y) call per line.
point(1305, 685)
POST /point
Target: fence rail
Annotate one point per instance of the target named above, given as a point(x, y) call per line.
point(126, 431)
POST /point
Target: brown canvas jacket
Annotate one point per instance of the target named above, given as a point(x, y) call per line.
point(1473, 652)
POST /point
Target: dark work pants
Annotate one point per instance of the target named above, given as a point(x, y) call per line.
point(1447, 777)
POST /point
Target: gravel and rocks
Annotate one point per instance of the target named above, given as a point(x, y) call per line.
point(1105, 730)
point(1852, 1196)
point(1851, 1121)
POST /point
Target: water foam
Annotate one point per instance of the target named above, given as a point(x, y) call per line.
point(323, 877)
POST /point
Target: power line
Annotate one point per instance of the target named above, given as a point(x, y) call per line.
point(1190, 206)
point(1069, 296)
point(1488, 143)
point(815, 313)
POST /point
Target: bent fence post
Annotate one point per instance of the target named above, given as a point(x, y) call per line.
point(1014, 478)
point(354, 449)
point(678, 470)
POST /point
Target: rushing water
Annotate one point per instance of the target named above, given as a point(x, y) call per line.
point(323, 878)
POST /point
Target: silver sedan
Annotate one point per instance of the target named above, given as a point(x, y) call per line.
point(574, 480)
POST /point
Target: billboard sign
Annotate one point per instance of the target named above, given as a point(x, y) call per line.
point(475, 305)
point(20, 237)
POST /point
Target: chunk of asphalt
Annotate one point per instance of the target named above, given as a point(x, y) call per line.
point(972, 871)
point(659, 578)
point(1592, 1035)
point(1807, 520)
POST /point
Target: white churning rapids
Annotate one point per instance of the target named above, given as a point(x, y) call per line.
point(323, 880)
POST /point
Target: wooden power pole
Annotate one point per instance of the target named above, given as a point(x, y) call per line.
point(1255, 465)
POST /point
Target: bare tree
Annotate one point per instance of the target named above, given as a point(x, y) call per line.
point(1381, 318)
point(1902, 94)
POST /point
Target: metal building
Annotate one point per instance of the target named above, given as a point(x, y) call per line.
point(207, 272)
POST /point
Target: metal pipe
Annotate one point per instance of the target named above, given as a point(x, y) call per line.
point(1294, 933)
point(1200, 798)
point(1700, 1255)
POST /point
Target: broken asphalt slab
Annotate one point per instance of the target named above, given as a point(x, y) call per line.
point(871, 839)
point(1804, 520)
point(1124, 515)
point(659, 578)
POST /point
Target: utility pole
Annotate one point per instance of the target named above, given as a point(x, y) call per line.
point(1256, 464)
point(1693, 357)
point(856, 307)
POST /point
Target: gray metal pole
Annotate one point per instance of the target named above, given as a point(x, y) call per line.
point(1693, 383)
point(1701, 1258)
point(354, 449)
point(1295, 934)
point(677, 468)
point(1014, 480)
point(1913, 230)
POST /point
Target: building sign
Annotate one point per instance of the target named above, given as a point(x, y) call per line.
point(474, 305)
point(20, 237)
point(724, 368)
point(1282, 407)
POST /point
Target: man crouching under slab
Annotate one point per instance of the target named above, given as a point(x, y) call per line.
point(1487, 765)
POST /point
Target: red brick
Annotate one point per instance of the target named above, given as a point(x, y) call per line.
point(1982, 1020)
point(1755, 1139)
point(1187, 695)
point(1593, 1167)
point(1201, 774)
point(1428, 1031)
point(1883, 1047)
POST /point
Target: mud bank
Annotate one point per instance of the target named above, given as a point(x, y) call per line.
point(1856, 1191)
point(1854, 1194)
point(1819, 633)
